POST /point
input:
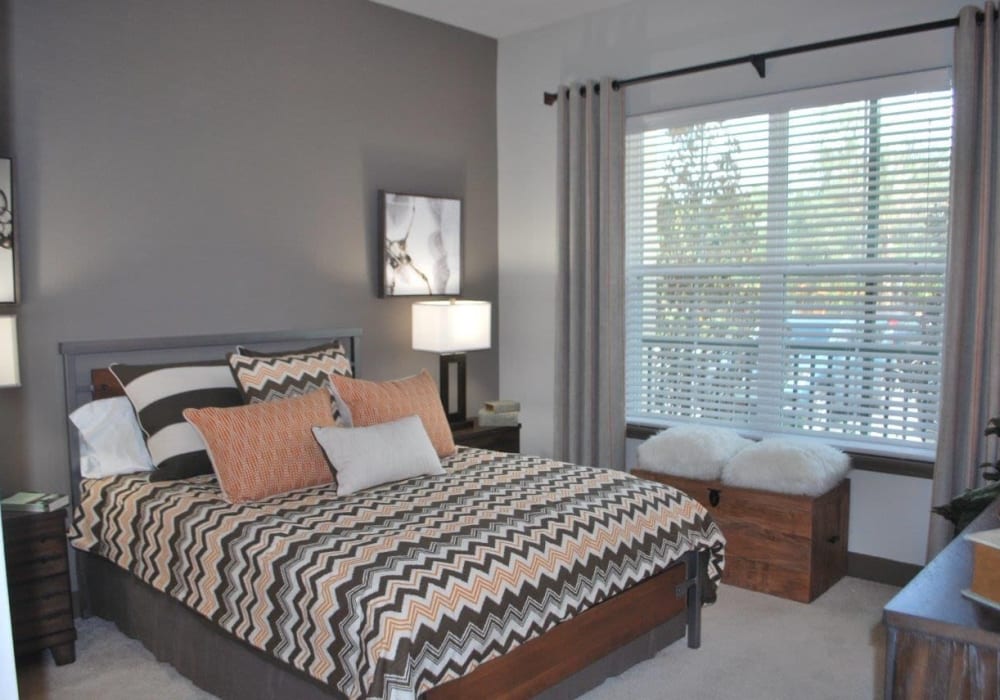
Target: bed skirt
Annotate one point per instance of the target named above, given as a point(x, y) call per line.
point(229, 668)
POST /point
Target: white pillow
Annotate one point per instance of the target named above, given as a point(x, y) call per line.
point(377, 454)
point(111, 441)
point(788, 465)
point(691, 451)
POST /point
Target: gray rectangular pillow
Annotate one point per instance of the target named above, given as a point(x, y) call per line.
point(378, 454)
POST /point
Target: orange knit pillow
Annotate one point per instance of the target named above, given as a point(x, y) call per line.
point(265, 448)
point(380, 402)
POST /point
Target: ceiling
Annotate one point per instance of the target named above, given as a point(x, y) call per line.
point(499, 18)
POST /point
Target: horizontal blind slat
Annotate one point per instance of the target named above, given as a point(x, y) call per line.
point(785, 271)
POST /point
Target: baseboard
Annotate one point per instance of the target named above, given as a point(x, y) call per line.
point(880, 570)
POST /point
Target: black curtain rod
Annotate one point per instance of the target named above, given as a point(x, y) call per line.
point(759, 60)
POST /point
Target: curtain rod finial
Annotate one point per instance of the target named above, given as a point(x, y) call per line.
point(550, 98)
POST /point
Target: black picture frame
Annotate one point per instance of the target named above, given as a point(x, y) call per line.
point(9, 269)
point(420, 245)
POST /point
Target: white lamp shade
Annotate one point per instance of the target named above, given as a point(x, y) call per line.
point(9, 372)
point(451, 326)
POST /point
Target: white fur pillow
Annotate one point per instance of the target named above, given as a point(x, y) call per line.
point(788, 465)
point(691, 451)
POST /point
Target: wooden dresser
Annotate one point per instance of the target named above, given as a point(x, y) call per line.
point(41, 608)
point(938, 644)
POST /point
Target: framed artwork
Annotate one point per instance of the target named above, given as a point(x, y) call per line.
point(8, 272)
point(420, 245)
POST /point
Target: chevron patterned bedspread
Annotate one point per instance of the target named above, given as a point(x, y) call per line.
point(390, 592)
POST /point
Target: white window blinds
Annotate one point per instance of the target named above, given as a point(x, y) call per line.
point(786, 269)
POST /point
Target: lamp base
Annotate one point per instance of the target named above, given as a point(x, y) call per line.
point(456, 417)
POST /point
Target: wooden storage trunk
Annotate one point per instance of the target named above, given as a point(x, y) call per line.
point(789, 546)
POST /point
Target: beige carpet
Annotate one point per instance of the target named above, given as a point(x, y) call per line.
point(755, 646)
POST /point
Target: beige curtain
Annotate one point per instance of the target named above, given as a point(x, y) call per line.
point(970, 381)
point(590, 327)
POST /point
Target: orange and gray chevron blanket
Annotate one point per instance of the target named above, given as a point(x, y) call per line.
point(403, 587)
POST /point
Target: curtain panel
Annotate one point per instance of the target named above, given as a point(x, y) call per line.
point(970, 377)
point(590, 306)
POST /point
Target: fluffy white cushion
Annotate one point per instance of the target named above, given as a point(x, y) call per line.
point(788, 465)
point(111, 441)
point(377, 454)
point(691, 451)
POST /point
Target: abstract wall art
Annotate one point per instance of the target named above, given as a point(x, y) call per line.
point(420, 245)
point(8, 273)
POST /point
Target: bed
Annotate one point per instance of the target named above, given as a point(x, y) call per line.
point(440, 551)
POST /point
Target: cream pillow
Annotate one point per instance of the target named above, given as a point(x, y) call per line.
point(788, 465)
point(111, 440)
point(378, 454)
point(691, 451)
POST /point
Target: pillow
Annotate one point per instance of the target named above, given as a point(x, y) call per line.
point(330, 345)
point(111, 441)
point(369, 403)
point(788, 465)
point(267, 448)
point(268, 377)
point(378, 454)
point(691, 451)
point(159, 394)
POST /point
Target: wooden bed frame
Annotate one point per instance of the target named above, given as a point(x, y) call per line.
point(569, 659)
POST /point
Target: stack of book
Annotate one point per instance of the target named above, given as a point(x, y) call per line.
point(500, 412)
point(34, 502)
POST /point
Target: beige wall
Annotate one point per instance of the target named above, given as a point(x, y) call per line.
point(191, 167)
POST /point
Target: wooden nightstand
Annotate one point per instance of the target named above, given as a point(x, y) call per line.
point(502, 438)
point(41, 608)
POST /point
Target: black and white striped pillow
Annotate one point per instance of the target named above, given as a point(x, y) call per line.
point(159, 395)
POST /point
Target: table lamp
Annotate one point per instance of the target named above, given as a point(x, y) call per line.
point(9, 373)
point(452, 328)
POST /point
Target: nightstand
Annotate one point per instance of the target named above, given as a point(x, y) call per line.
point(502, 438)
point(41, 608)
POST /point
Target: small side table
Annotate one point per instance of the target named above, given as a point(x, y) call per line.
point(41, 607)
point(502, 438)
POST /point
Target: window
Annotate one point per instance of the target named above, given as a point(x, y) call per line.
point(785, 266)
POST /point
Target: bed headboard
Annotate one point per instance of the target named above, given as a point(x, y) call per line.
point(86, 377)
point(104, 384)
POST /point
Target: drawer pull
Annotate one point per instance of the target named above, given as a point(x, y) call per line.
point(834, 539)
point(714, 496)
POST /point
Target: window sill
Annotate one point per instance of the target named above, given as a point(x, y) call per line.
point(897, 466)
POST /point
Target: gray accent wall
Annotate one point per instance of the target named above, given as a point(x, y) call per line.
point(192, 167)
